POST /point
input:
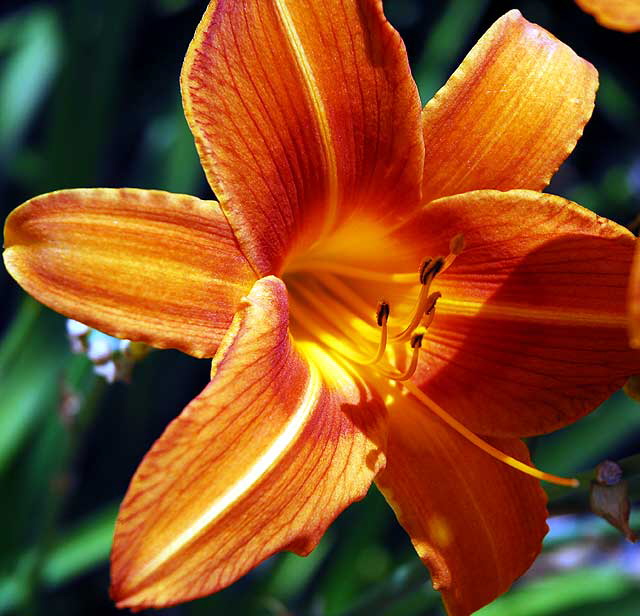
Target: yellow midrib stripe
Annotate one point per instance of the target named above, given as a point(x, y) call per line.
point(242, 485)
point(318, 105)
point(491, 309)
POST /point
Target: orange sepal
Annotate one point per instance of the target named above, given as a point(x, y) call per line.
point(145, 265)
point(476, 523)
point(303, 113)
point(263, 460)
point(623, 15)
point(530, 333)
point(509, 115)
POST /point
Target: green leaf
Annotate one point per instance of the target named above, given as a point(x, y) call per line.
point(560, 592)
point(27, 73)
point(30, 368)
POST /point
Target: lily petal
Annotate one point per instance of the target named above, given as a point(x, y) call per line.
point(634, 299)
point(621, 15)
point(263, 460)
point(476, 523)
point(303, 113)
point(144, 265)
point(531, 330)
point(509, 115)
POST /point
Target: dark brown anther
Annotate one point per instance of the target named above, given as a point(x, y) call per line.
point(433, 300)
point(426, 264)
point(430, 268)
point(416, 338)
point(382, 313)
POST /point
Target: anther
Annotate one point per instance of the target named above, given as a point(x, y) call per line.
point(382, 316)
point(416, 339)
point(431, 302)
point(382, 313)
point(416, 344)
point(429, 269)
point(430, 310)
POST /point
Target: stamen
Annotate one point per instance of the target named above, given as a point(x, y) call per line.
point(416, 344)
point(322, 334)
point(345, 294)
point(456, 246)
point(318, 265)
point(431, 302)
point(416, 339)
point(382, 313)
point(478, 442)
point(430, 311)
point(346, 350)
point(382, 316)
point(428, 271)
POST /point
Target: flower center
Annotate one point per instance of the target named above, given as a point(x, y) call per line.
point(331, 305)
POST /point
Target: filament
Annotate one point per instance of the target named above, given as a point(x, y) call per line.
point(428, 272)
point(345, 294)
point(382, 316)
point(416, 344)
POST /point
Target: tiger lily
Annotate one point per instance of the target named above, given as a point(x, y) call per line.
point(385, 292)
point(623, 15)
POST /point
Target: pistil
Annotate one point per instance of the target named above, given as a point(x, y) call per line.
point(456, 246)
point(478, 442)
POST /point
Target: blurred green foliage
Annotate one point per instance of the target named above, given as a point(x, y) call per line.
point(89, 97)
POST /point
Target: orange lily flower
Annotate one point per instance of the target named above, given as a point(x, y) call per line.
point(500, 309)
point(621, 15)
